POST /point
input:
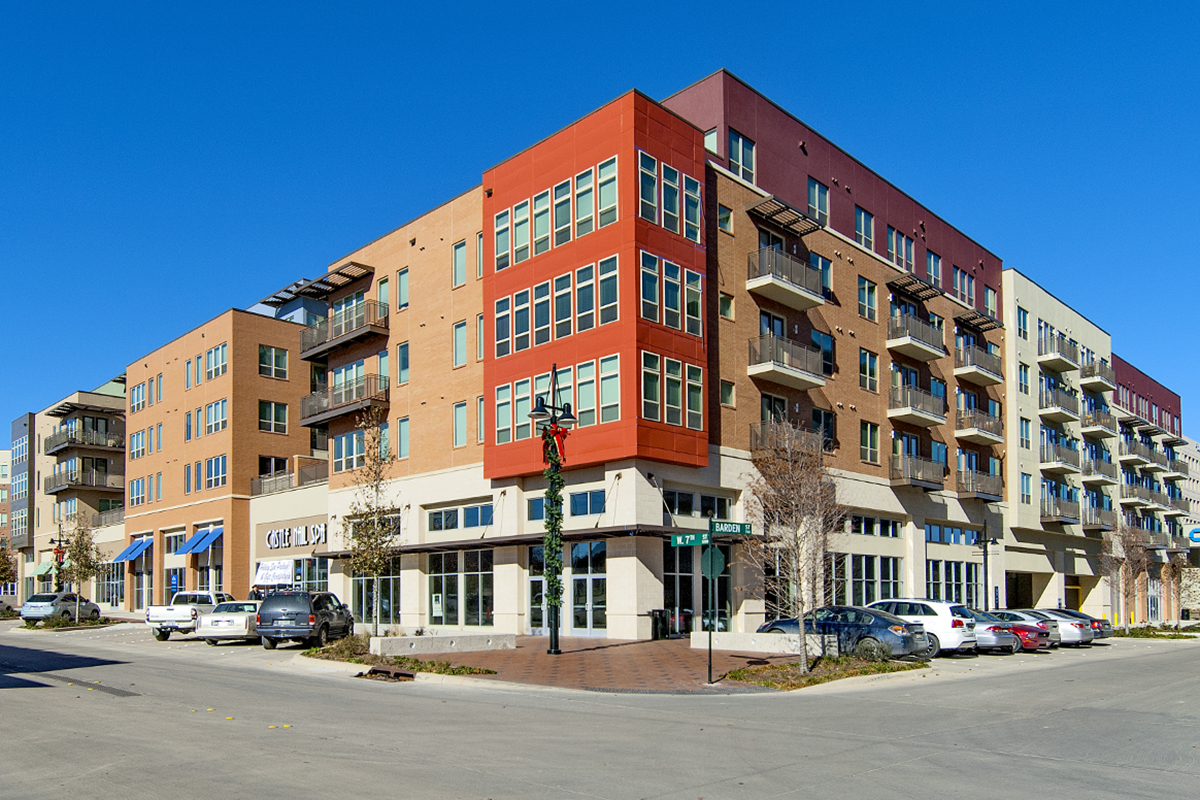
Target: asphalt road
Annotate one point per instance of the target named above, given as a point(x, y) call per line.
point(112, 714)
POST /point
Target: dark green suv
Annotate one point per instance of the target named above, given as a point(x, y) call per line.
point(294, 616)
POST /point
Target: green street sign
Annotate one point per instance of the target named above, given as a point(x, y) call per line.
point(689, 539)
point(730, 528)
point(712, 562)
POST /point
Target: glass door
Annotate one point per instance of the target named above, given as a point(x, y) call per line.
point(538, 614)
point(589, 589)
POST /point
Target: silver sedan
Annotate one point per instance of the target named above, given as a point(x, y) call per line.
point(48, 605)
point(1074, 631)
point(1035, 619)
point(994, 634)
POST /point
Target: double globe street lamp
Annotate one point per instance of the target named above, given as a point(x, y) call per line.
point(555, 422)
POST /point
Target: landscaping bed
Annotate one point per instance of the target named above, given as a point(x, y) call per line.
point(823, 670)
point(1153, 632)
point(60, 624)
point(355, 650)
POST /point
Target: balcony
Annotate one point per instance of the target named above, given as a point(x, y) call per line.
point(783, 436)
point(1097, 377)
point(915, 338)
point(978, 366)
point(785, 362)
point(980, 486)
point(978, 426)
point(95, 440)
point(1135, 496)
point(1099, 472)
point(1099, 519)
point(360, 321)
point(284, 480)
point(917, 472)
point(345, 398)
point(84, 479)
point(1058, 354)
point(1098, 425)
point(1134, 453)
point(1158, 462)
point(916, 406)
point(1178, 507)
point(113, 516)
point(1057, 458)
point(1159, 501)
point(1063, 512)
point(1176, 470)
point(19, 541)
point(1057, 406)
point(777, 276)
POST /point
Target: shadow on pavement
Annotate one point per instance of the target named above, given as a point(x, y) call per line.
point(27, 660)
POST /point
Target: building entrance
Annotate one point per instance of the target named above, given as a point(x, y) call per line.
point(1019, 590)
point(589, 589)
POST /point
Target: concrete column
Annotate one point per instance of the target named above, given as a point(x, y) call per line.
point(509, 593)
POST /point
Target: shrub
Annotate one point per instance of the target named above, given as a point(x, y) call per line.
point(872, 650)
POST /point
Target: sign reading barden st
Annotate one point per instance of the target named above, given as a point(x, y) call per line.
point(729, 528)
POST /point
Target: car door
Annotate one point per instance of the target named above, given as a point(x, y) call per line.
point(854, 625)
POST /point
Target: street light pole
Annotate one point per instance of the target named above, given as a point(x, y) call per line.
point(556, 421)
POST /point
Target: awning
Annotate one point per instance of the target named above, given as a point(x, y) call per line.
point(124, 554)
point(134, 550)
point(190, 545)
point(43, 568)
point(275, 573)
point(210, 536)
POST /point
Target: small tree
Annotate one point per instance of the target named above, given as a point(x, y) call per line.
point(83, 560)
point(797, 505)
point(372, 526)
point(8, 563)
point(1124, 558)
point(1172, 580)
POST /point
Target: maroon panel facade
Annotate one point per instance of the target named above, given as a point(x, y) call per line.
point(1140, 394)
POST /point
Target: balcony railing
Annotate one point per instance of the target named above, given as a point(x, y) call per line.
point(972, 356)
point(1177, 466)
point(1058, 509)
point(345, 398)
point(1058, 454)
point(918, 400)
point(788, 356)
point(283, 480)
point(1058, 346)
point(1095, 466)
point(84, 478)
point(973, 482)
point(1094, 517)
point(1182, 504)
point(358, 318)
point(79, 438)
point(784, 436)
point(913, 327)
point(1133, 492)
point(114, 516)
point(1136, 450)
point(1097, 371)
point(1057, 398)
point(916, 470)
point(802, 281)
point(1100, 419)
point(981, 420)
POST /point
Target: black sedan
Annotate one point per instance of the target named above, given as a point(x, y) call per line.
point(853, 625)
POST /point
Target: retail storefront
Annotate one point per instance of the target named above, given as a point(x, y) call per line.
point(292, 554)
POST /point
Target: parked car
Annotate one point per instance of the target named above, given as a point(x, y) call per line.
point(1032, 637)
point(181, 615)
point(1036, 620)
point(58, 604)
point(7, 601)
point(948, 626)
point(1101, 628)
point(852, 626)
point(231, 620)
point(994, 634)
point(298, 616)
point(1074, 631)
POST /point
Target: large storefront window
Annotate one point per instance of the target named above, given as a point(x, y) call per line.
point(477, 587)
point(953, 581)
point(443, 588)
point(110, 584)
point(469, 572)
point(678, 584)
point(173, 581)
point(537, 590)
point(362, 598)
point(312, 574)
point(857, 580)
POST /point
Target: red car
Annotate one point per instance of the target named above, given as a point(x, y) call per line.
point(1032, 638)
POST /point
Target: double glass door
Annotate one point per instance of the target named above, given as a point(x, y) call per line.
point(589, 589)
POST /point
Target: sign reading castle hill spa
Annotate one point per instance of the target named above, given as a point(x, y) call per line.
point(1194, 534)
point(299, 536)
point(729, 528)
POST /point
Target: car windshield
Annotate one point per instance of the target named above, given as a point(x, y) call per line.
point(235, 608)
point(960, 611)
point(1036, 615)
point(982, 616)
point(43, 598)
point(884, 616)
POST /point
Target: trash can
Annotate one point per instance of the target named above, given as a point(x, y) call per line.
point(658, 623)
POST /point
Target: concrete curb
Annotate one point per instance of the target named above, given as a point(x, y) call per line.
point(322, 665)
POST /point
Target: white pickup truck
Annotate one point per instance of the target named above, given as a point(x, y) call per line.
point(183, 612)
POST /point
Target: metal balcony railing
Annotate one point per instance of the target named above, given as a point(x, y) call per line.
point(1136, 449)
point(1100, 419)
point(907, 325)
point(1094, 517)
point(973, 481)
point(1133, 492)
point(978, 418)
point(915, 468)
point(1057, 398)
point(1176, 465)
point(972, 356)
point(1057, 453)
point(1161, 498)
point(769, 261)
point(783, 436)
point(1160, 458)
point(81, 438)
point(1059, 346)
point(284, 479)
point(114, 516)
point(1058, 508)
point(358, 316)
point(368, 387)
point(1098, 370)
point(84, 478)
point(917, 399)
point(771, 349)
point(1095, 466)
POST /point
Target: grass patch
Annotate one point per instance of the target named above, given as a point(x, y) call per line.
point(8, 614)
point(356, 650)
point(58, 622)
point(1150, 632)
point(823, 670)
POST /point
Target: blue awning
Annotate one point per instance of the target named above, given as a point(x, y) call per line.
point(142, 546)
point(210, 536)
point(124, 554)
point(191, 545)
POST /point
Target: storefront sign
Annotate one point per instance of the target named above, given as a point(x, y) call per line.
point(1194, 534)
point(274, 573)
point(299, 536)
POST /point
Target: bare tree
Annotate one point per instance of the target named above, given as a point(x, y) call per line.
point(372, 525)
point(1172, 581)
point(1125, 558)
point(83, 559)
point(1189, 585)
point(797, 505)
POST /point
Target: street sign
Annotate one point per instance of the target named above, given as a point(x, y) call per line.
point(689, 539)
point(729, 528)
point(712, 562)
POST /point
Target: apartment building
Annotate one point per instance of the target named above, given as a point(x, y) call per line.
point(22, 475)
point(207, 414)
point(1188, 465)
point(8, 590)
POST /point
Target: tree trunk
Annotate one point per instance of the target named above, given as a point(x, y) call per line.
point(375, 610)
point(77, 608)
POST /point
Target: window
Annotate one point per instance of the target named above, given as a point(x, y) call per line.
point(503, 414)
point(460, 343)
point(402, 289)
point(478, 599)
point(607, 192)
point(585, 504)
point(541, 313)
point(521, 408)
point(480, 412)
point(584, 203)
point(520, 232)
point(610, 389)
point(674, 391)
point(460, 424)
point(990, 300)
point(479, 337)
point(824, 422)
point(862, 579)
point(272, 416)
point(1026, 489)
point(608, 290)
point(691, 208)
point(724, 218)
point(214, 362)
point(818, 201)
point(137, 491)
point(157, 488)
point(562, 213)
point(725, 305)
point(585, 298)
point(458, 263)
point(1026, 439)
point(402, 437)
point(876, 526)
point(868, 446)
point(402, 363)
point(521, 321)
point(648, 187)
point(824, 343)
point(693, 291)
point(214, 472)
point(933, 268)
point(536, 509)
point(651, 387)
point(199, 476)
point(187, 377)
point(137, 397)
point(137, 445)
point(214, 416)
point(695, 398)
point(1022, 323)
point(868, 370)
point(741, 156)
point(964, 287)
point(503, 331)
point(824, 266)
point(479, 255)
point(443, 588)
point(151, 392)
point(272, 361)
point(864, 228)
point(1023, 378)
point(541, 223)
point(710, 140)
point(726, 393)
point(348, 451)
point(585, 411)
point(900, 249)
point(866, 298)
point(649, 287)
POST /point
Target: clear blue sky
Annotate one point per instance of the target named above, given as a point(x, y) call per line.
point(162, 162)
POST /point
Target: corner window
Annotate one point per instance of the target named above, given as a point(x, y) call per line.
point(710, 140)
point(741, 156)
point(725, 218)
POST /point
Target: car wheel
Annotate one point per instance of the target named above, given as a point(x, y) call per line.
point(1016, 647)
point(212, 642)
point(95, 614)
point(933, 646)
point(268, 643)
point(161, 636)
point(321, 638)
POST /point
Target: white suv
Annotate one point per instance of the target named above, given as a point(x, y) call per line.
point(948, 626)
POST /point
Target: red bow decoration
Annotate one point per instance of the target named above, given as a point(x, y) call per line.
point(554, 439)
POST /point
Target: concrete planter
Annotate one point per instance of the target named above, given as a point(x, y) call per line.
point(450, 643)
point(772, 643)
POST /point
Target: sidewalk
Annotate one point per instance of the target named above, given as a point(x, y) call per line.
point(614, 665)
